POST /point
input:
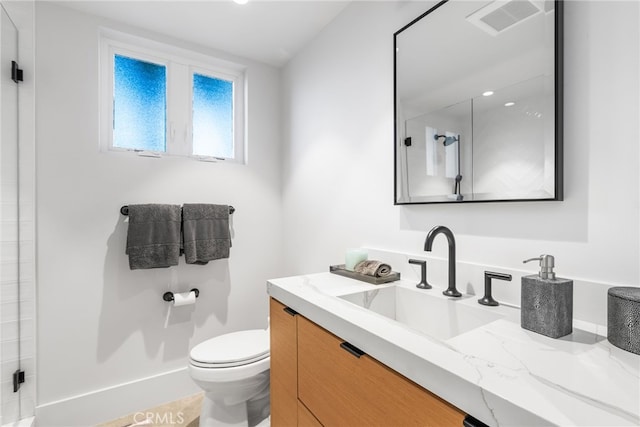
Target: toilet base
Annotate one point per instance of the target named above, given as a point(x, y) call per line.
point(215, 413)
point(252, 413)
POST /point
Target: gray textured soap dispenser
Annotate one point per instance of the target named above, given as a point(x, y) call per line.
point(546, 301)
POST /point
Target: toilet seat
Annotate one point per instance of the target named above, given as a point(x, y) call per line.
point(231, 350)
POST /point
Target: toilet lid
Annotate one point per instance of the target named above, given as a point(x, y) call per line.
point(233, 349)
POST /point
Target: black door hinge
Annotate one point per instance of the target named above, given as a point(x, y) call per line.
point(16, 73)
point(18, 378)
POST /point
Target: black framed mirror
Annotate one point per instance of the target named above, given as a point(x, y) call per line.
point(478, 103)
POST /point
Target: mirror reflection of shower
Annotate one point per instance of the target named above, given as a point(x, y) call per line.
point(453, 141)
point(436, 154)
point(448, 140)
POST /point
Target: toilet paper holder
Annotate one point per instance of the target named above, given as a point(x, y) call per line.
point(168, 296)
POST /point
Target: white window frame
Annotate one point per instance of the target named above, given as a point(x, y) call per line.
point(180, 65)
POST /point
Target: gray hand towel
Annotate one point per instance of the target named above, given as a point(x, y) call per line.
point(153, 238)
point(205, 231)
point(373, 268)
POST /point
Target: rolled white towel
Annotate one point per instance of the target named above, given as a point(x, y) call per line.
point(373, 268)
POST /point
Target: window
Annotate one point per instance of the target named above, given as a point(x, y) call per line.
point(212, 116)
point(160, 100)
point(139, 104)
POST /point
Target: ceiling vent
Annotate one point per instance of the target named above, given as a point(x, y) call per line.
point(501, 15)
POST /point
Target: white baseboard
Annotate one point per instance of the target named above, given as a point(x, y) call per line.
point(114, 402)
point(24, 422)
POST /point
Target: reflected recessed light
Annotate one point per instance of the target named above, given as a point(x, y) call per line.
point(509, 104)
point(240, 1)
point(487, 93)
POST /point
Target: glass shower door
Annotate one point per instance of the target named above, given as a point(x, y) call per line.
point(11, 284)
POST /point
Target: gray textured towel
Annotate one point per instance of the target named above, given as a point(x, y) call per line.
point(153, 239)
point(205, 231)
point(373, 268)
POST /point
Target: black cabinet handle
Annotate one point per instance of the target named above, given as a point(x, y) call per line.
point(355, 351)
point(469, 421)
point(290, 311)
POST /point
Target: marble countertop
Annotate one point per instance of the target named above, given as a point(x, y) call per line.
point(499, 373)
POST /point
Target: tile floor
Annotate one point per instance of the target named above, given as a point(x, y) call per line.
point(180, 413)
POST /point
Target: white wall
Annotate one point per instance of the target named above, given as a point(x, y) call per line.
point(338, 186)
point(100, 325)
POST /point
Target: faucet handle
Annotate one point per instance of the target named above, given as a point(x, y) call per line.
point(487, 299)
point(423, 281)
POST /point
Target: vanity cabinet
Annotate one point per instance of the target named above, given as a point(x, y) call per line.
point(338, 385)
point(284, 363)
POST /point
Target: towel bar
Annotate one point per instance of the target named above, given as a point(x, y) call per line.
point(125, 210)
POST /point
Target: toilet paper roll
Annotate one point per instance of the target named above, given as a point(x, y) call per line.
point(184, 298)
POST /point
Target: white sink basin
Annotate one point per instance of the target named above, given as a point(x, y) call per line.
point(426, 311)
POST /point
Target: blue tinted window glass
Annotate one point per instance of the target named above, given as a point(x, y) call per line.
point(212, 117)
point(139, 106)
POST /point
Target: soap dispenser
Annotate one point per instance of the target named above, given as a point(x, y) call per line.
point(546, 301)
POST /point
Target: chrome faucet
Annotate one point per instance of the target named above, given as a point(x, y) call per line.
point(451, 291)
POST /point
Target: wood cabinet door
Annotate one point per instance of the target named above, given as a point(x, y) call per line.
point(342, 387)
point(399, 400)
point(326, 375)
point(284, 365)
point(306, 418)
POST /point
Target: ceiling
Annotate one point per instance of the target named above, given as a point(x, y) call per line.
point(267, 31)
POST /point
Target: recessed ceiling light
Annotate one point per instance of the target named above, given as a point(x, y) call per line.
point(487, 93)
point(509, 104)
point(241, 1)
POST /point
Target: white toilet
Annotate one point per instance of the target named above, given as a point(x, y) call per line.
point(233, 370)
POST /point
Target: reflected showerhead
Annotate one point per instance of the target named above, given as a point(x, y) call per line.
point(448, 140)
